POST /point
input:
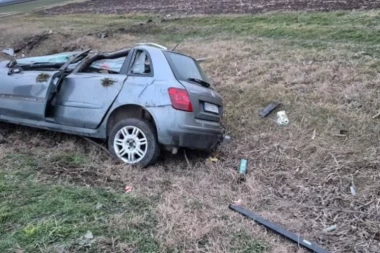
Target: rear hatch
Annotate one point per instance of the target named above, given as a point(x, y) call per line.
point(207, 103)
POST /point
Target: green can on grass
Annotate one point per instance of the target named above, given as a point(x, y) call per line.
point(243, 167)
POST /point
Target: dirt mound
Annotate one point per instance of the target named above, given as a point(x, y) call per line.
point(30, 42)
point(210, 6)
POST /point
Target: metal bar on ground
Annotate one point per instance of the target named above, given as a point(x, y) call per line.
point(270, 108)
point(291, 236)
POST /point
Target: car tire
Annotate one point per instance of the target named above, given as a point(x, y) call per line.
point(134, 142)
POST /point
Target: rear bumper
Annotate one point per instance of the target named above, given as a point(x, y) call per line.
point(195, 137)
point(181, 129)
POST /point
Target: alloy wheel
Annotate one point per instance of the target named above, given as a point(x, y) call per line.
point(130, 144)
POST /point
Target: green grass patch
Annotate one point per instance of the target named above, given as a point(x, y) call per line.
point(244, 243)
point(350, 27)
point(357, 29)
point(68, 160)
point(35, 216)
point(31, 6)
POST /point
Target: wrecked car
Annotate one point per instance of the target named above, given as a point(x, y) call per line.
point(140, 99)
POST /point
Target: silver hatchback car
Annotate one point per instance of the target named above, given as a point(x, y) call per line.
point(139, 99)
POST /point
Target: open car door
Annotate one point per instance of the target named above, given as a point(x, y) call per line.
point(26, 90)
point(87, 94)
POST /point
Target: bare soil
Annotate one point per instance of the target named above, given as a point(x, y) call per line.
point(210, 6)
point(29, 43)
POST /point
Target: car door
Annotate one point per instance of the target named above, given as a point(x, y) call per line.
point(27, 89)
point(85, 98)
point(140, 74)
point(24, 94)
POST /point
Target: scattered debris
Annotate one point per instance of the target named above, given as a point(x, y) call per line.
point(329, 229)
point(174, 151)
point(128, 189)
point(314, 133)
point(282, 118)
point(342, 133)
point(243, 167)
point(226, 140)
point(89, 235)
point(213, 159)
point(291, 236)
point(238, 202)
point(87, 239)
point(106, 82)
point(242, 170)
point(353, 190)
point(29, 43)
point(267, 110)
point(42, 78)
point(99, 206)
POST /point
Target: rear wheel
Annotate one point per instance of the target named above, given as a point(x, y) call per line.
point(134, 142)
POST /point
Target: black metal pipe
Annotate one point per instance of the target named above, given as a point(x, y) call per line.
point(291, 236)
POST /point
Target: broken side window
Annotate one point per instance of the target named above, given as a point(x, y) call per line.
point(141, 64)
point(104, 63)
point(108, 65)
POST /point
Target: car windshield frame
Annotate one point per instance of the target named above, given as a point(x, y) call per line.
point(180, 73)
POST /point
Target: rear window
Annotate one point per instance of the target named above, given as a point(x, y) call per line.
point(185, 67)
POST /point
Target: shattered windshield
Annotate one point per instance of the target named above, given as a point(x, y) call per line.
point(54, 58)
point(186, 68)
point(113, 65)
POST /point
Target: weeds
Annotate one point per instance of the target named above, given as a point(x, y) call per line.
point(107, 82)
point(42, 78)
point(35, 215)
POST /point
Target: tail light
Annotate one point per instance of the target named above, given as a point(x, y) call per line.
point(180, 99)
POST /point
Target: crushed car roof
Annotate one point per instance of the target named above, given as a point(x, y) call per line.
point(113, 65)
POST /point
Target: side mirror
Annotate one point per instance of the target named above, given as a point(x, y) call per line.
point(12, 63)
point(9, 51)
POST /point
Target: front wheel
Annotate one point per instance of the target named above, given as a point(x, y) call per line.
point(134, 142)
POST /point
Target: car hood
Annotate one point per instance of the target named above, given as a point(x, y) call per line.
point(3, 64)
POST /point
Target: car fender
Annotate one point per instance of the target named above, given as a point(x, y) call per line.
point(153, 98)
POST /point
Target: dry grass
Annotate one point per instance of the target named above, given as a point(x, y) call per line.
point(293, 180)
